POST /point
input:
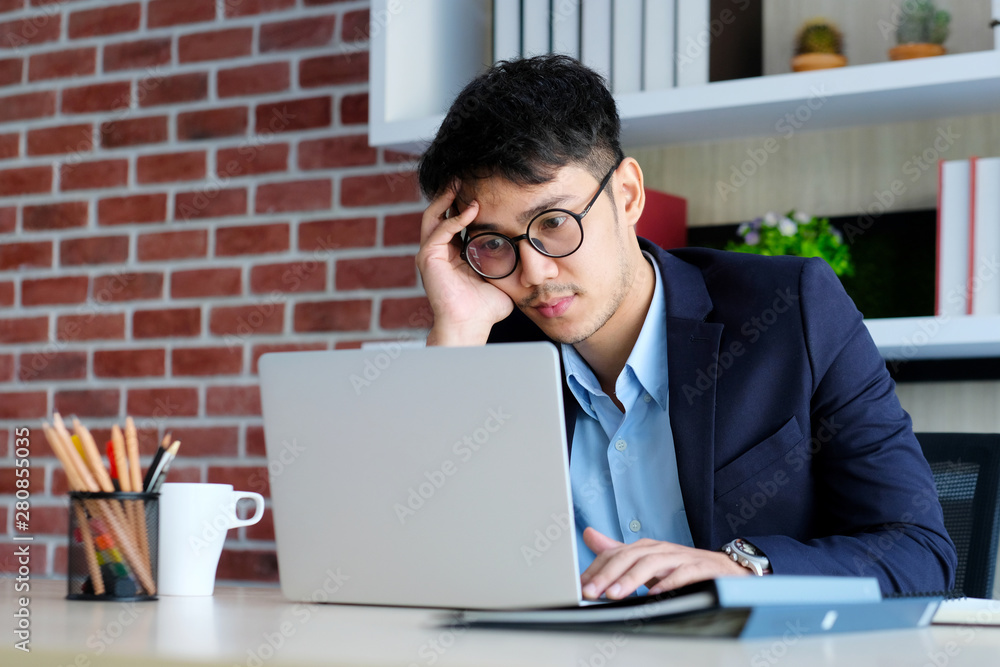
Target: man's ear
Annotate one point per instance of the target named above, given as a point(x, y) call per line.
point(629, 191)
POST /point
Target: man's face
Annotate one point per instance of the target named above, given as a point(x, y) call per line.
point(569, 298)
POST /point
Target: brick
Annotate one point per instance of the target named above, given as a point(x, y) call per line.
point(253, 79)
point(379, 189)
point(6, 375)
point(62, 64)
point(93, 175)
point(61, 215)
point(11, 71)
point(260, 350)
point(355, 26)
point(97, 97)
point(235, 401)
point(88, 402)
point(52, 366)
point(137, 55)
point(199, 283)
point(343, 315)
point(8, 219)
point(180, 474)
point(254, 441)
point(263, 318)
point(6, 293)
point(23, 405)
point(172, 245)
point(251, 239)
point(210, 203)
point(302, 276)
point(25, 180)
point(105, 20)
point(27, 105)
point(375, 273)
point(188, 87)
point(51, 291)
point(132, 209)
point(162, 402)
point(410, 313)
point(402, 229)
point(263, 529)
point(325, 235)
point(294, 115)
point(334, 152)
point(334, 70)
point(161, 13)
point(196, 125)
point(128, 286)
point(250, 7)
point(208, 441)
point(259, 565)
point(311, 195)
point(207, 361)
point(10, 145)
point(354, 109)
point(48, 521)
point(24, 330)
point(134, 132)
point(129, 363)
point(396, 157)
point(30, 31)
point(10, 6)
point(164, 168)
point(91, 327)
point(250, 160)
point(317, 3)
point(166, 323)
point(31, 254)
point(215, 45)
point(9, 561)
point(93, 250)
point(314, 31)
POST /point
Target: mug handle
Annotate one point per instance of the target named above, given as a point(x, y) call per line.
point(258, 501)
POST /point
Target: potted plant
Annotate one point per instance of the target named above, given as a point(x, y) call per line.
point(795, 233)
point(921, 32)
point(819, 45)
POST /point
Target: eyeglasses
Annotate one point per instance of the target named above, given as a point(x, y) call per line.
point(551, 233)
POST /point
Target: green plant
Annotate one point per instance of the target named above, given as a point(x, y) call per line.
point(922, 22)
point(795, 234)
point(819, 35)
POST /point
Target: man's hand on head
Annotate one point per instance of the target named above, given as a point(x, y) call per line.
point(619, 569)
point(465, 305)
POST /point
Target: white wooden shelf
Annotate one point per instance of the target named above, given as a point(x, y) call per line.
point(936, 337)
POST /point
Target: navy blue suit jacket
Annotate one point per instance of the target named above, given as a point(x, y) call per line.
point(786, 424)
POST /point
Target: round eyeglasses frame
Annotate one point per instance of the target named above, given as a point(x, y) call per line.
point(515, 241)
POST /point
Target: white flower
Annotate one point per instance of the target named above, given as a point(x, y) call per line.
point(802, 218)
point(770, 219)
point(787, 227)
point(743, 228)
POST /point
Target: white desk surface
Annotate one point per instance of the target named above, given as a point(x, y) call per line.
point(256, 627)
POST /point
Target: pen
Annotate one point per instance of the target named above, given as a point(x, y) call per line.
point(161, 473)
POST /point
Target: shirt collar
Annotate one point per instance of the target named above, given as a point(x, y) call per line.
point(647, 360)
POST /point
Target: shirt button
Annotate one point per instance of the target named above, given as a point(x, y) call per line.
point(621, 445)
point(647, 398)
point(634, 525)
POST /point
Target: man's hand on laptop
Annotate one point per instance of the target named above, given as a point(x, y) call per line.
point(619, 569)
point(465, 305)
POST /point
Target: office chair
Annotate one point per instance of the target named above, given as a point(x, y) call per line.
point(966, 469)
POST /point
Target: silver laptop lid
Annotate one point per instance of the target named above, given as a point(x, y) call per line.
point(421, 476)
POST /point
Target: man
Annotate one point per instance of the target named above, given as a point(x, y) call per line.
point(728, 413)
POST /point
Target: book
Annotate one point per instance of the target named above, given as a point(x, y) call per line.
point(984, 281)
point(745, 607)
point(626, 46)
point(506, 29)
point(566, 27)
point(968, 611)
point(954, 208)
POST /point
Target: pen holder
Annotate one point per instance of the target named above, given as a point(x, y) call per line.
point(112, 546)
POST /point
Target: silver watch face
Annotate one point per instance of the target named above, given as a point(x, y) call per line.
point(749, 548)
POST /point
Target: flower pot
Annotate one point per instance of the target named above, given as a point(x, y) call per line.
point(810, 61)
point(915, 50)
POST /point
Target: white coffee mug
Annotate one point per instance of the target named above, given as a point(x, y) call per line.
point(194, 520)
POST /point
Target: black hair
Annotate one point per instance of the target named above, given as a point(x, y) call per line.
point(522, 120)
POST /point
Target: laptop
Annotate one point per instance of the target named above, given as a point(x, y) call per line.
point(421, 476)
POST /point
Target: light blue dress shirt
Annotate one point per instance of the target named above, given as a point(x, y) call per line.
point(623, 471)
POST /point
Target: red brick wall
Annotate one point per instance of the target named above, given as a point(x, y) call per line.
point(185, 185)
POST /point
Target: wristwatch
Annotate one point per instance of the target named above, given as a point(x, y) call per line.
point(748, 556)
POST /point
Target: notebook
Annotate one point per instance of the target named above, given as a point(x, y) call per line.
point(431, 477)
